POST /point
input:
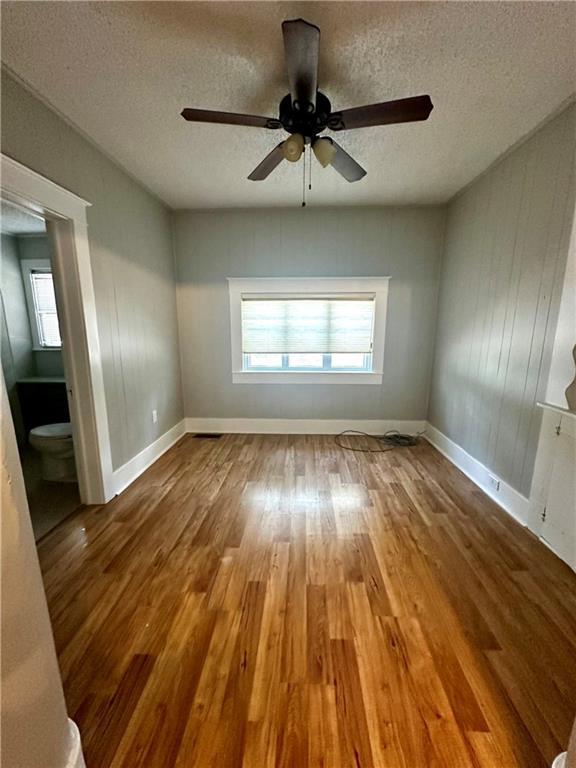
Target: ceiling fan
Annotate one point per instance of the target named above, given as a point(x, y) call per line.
point(305, 112)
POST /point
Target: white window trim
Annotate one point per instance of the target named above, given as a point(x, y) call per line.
point(375, 285)
point(27, 266)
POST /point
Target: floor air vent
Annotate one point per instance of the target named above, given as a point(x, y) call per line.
point(207, 436)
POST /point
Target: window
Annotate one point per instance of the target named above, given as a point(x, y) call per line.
point(317, 330)
point(39, 289)
point(308, 362)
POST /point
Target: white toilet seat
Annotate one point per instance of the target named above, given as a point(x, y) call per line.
point(54, 431)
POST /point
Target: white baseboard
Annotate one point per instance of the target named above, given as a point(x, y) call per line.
point(127, 473)
point(506, 497)
point(300, 426)
point(75, 757)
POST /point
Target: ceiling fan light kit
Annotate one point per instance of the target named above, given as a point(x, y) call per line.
point(324, 150)
point(293, 147)
point(305, 112)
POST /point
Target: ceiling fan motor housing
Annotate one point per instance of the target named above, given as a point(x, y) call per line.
point(308, 121)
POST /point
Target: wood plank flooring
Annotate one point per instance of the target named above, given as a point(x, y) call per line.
point(270, 600)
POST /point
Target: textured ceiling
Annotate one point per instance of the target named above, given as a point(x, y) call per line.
point(16, 221)
point(122, 71)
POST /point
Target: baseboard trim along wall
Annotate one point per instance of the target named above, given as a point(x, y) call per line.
point(506, 497)
point(127, 473)
point(301, 426)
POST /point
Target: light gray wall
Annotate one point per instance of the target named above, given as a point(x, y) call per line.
point(34, 247)
point(506, 245)
point(17, 356)
point(132, 262)
point(46, 362)
point(404, 243)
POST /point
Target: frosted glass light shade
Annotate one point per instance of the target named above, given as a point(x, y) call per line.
point(324, 151)
point(293, 148)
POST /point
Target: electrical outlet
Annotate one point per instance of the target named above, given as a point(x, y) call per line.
point(154, 416)
point(493, 482)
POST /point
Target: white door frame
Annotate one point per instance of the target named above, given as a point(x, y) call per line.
point(65, 215)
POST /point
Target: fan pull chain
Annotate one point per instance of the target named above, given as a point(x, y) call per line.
point(304, 178)
point(310, 170)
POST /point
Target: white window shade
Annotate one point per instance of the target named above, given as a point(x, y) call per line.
point(45, 308)
point(326, 324)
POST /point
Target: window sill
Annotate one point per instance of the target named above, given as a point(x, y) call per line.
point(46, 349)
point(303, 377)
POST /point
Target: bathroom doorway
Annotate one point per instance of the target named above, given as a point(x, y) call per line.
point(72, 319)
point(33, 368)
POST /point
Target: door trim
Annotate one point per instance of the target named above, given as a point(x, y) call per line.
point(66, 221)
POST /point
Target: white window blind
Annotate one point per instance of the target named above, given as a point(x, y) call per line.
point(45, 308)
point(305, 324)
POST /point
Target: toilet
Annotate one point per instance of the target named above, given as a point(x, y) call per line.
point(55, 445)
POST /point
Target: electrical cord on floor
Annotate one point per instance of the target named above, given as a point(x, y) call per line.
point(390, 440)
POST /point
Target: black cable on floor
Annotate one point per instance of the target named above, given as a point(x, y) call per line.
point(391, 440)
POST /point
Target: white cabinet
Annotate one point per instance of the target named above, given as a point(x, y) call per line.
point(552, 514)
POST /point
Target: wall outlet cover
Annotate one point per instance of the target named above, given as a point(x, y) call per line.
point(154, 416)
point(494, 482)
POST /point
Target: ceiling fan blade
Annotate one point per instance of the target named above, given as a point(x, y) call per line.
point(400, 111)
point(229, 118)
point(346, 165)
point(301, 48)
point(270, 162)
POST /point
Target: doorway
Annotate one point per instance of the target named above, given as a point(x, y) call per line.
point(64, 269)
point(33, 368)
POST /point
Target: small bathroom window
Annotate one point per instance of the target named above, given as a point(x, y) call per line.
point(41, 301)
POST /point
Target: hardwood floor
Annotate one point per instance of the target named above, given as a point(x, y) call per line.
point(276, 601)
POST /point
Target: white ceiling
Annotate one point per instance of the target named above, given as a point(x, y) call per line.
point(17, 221)
point(122, 72)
